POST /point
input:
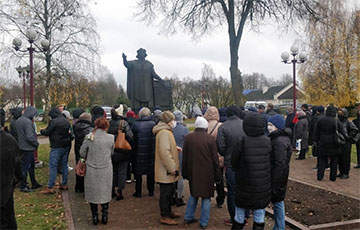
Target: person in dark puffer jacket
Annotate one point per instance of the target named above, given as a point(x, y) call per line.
point(251, 161)
point(16, 114)
point(120, 159)
point(81, 129)
point(144, 149)
point(325, 134)
point(356, 121)
point(279, 159)
point(58, 131)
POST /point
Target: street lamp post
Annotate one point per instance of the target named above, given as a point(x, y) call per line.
point(31, 36)
point(297, 59)
point(21, 71)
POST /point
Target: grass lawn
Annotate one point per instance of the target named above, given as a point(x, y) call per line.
point(35, 210)
point(189, 121)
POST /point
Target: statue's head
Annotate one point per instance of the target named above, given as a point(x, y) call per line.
point(141, 54)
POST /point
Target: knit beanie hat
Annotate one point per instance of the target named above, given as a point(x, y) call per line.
point(97, 112)
point(167, 116)
point(130, 114)
point(66, 114)
point(77, 112)
point(278, 121)
point(85, 116)
point(178, 116)
point(201, 122)
point(320, 109)
point(120, 110)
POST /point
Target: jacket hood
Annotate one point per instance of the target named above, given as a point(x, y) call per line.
point(330, 111)
point(54, 113)
point(281, 132)
point(301, 114)
point(254, 124)
point(346, 112)
point(160, 126)
point(16, 112)
point(212, 114)
point(30, 112)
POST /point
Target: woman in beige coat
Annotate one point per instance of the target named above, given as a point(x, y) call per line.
point(212, 116)
point(166, 165)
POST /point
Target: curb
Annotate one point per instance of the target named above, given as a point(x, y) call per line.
point(68, 212)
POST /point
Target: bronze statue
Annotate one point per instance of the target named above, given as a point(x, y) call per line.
point(140, 84)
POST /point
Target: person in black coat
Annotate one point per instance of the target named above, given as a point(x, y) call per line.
point(356, 121)
point(81, 128)
point(301, 133)
point(319, 113)
point(58, 131)
point(10, 174)
point(351, 133)
point(251, 161)
point(226, 138)
point(280, 156)
point(144, 149)
point(16, 113)
point(120, 158)
point(325, 135)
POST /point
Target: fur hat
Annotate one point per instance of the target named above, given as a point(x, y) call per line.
point(167, 116)
point(85, 116)
point(278, 121)
point(66, 114)
point(178, 116)
point(201, 122)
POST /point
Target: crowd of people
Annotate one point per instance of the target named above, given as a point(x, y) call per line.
point(252, 148)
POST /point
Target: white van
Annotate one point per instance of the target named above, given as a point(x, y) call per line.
point(254, 104)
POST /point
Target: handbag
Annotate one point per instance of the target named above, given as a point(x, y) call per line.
point(339, 138)
point(80, 168)
point(121, 143)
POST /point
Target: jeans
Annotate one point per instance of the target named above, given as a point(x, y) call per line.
point(205, 210)
point(322, 164)
point(119, 174)
point(231, 186)
point(58, 156)
point(258, 215)
point(279, 214)
point(28, 165)
point(166, 195)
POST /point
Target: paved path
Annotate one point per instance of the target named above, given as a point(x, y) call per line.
point(302, 170)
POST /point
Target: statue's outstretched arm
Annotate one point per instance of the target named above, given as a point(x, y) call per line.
point(154, 75)
point(126, 63)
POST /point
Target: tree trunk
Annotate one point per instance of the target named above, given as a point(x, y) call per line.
point(235, 75)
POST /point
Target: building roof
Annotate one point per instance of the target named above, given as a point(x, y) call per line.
point(288, 94)
point(258, 95)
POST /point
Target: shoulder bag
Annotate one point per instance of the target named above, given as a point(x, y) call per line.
point(121, 143)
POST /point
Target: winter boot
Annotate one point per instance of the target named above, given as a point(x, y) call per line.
point(238, 226)
point(119, 195)
point(258, 226)
point(105, 211)
point(94, 212)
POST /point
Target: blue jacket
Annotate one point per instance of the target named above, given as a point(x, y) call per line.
point(144, 147)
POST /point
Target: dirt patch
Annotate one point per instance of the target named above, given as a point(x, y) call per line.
point(308, 205)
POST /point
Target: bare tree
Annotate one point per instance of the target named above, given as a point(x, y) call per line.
point(201, 16)
point(67, 24)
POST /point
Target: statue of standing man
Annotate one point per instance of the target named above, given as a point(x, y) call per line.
point(140, 75)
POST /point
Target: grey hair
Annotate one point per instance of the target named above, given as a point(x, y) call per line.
point(144, 112)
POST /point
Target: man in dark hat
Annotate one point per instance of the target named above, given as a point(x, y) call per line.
point(140, 89)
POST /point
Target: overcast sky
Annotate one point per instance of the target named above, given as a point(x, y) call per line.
point(259, 52)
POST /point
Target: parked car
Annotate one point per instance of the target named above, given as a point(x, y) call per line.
point(107, 110)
